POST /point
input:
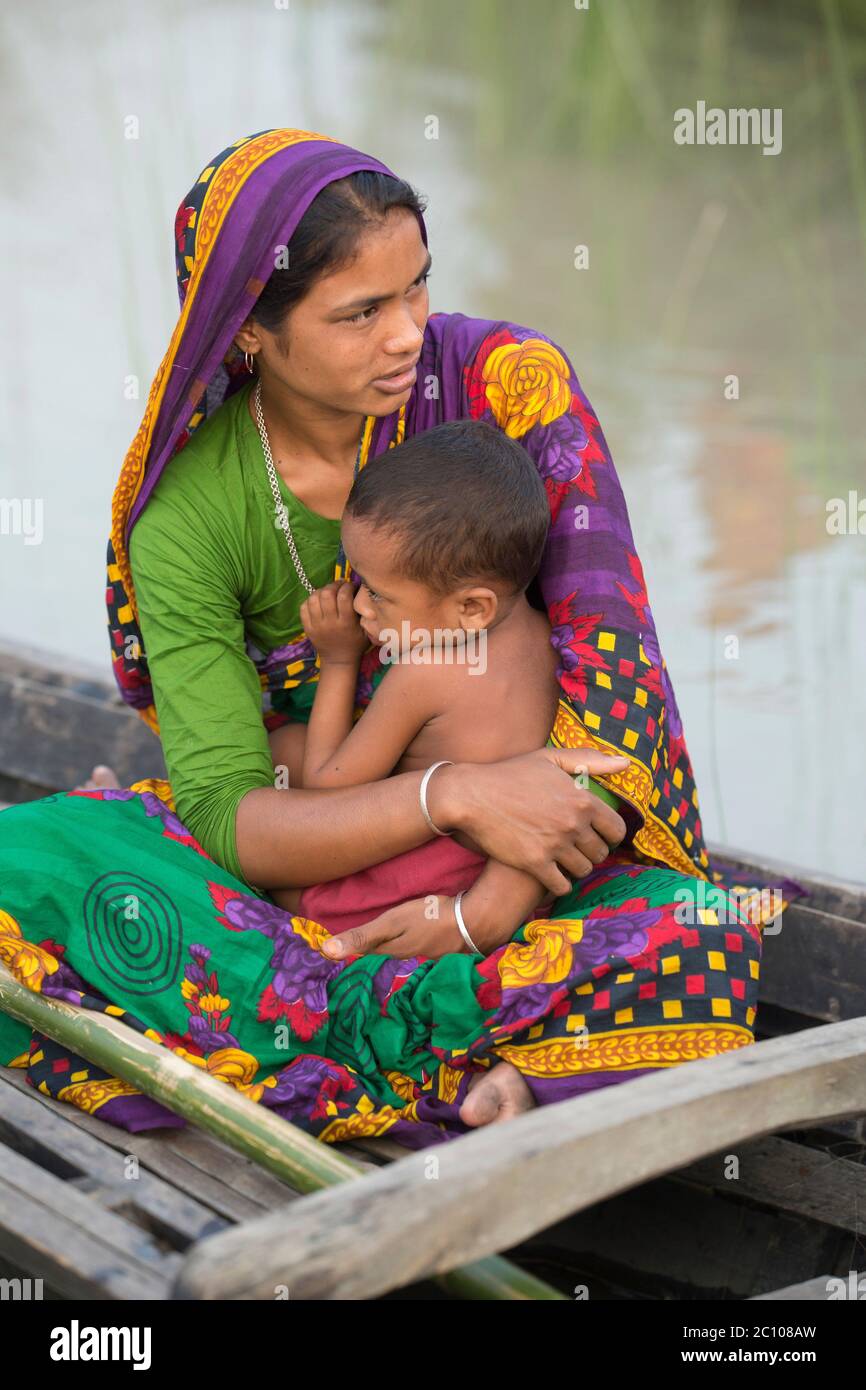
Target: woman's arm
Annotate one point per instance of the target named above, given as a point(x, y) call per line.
point(301, 837)
point(206, 690)
point(298, 838)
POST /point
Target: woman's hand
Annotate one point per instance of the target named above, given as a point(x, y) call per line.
point(403, 931)
point(329, 620)
point(528, 811)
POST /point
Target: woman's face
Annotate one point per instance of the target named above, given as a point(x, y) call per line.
point(356, 327)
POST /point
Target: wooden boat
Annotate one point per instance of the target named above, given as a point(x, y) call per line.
point(738, 1177)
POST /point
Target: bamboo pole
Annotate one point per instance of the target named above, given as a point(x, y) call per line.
point(303, 1162)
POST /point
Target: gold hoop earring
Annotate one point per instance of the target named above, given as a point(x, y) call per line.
point(248, 358)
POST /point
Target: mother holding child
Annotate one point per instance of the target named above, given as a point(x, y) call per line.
point(409, 905)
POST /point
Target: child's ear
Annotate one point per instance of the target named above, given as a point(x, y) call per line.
point(478, 608)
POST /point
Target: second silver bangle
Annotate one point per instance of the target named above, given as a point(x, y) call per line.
point(461, 925)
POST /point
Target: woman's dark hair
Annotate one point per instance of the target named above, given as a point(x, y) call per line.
point(462, 501)
point(326, 238)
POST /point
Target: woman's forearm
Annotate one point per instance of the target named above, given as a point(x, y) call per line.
point(524, 811)
point(297, 838)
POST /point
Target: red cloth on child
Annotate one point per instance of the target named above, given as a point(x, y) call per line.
point(439, 866)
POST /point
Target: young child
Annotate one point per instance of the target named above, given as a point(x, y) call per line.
point(444, 532)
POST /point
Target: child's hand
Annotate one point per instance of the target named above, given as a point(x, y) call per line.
point(332, 625)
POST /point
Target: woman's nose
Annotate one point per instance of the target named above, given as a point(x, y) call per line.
point(405, 336)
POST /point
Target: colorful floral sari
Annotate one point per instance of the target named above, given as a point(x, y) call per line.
point(114, 907)
point(107, 900)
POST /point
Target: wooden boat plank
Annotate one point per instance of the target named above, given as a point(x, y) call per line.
point(816, 965)
point(624, 1238)
point(774, 1022)
point(671, 1239)
point(824, 892)
point(695, 1235)
point(207, 1154)
point(42, 1243)
point(44, 1137)
point(383, 1150)
point(790, 1177)
point(55, 725)
point(399, 1225)
point(53, 1232)
point(207, 1181)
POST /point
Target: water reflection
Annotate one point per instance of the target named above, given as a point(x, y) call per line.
point(554, 131)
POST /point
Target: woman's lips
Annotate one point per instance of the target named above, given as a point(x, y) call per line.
point(393, 385)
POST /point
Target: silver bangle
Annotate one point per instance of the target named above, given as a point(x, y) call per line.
point(446, 762)
point(461, 925)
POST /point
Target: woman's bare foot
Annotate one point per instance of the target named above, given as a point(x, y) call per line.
point(496, 1095)
point(100, 777)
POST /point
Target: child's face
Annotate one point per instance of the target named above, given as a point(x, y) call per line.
point(386, 599)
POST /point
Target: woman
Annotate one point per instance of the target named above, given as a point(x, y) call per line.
point(304, 263)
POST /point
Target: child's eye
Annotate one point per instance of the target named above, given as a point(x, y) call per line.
point(372, 593)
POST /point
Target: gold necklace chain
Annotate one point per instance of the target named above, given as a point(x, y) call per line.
point(280, 509)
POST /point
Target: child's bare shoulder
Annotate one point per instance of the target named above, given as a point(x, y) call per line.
point(417, 681)
point(432, 685)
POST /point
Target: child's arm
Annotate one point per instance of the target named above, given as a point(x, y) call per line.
point(502, 898)
point(493, 908)
point(336, 752)
point(499, 901)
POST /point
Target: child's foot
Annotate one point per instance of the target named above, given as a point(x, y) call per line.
point(496, 1095)
point(100, 777)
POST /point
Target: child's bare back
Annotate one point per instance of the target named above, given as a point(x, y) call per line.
point(496, 702)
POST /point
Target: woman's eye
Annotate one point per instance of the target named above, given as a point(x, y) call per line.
point(362, 316)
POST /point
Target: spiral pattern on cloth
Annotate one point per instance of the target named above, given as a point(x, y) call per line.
point(134, 932)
